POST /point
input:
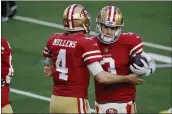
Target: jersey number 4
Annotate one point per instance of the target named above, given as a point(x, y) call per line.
point(61, 58)
point(111, 62)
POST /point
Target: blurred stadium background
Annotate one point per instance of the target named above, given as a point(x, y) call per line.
point(36, 21)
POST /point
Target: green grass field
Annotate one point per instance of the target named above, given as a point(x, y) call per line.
point(151, 20)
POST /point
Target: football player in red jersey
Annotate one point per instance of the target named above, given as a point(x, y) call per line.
point(117, 48)
point(72, 55)
point(7, 72)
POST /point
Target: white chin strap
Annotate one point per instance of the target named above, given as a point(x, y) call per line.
point(107, 39)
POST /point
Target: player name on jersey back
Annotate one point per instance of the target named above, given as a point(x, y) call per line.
point(64, 43)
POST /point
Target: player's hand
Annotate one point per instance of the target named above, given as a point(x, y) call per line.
point(48, 70)
point(9, 77)
point(144, 70)
point(135, 79)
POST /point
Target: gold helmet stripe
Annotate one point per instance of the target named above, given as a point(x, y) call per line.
point(70, 16)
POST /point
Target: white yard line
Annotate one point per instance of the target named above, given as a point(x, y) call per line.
point(29, 94)
point(33, 95)
point(163, 65)
point(54, 25)
point(160, 58)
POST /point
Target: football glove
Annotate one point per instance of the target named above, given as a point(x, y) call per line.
point(145, 70)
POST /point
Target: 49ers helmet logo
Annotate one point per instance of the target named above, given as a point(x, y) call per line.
point(85, 13)
point(111, 111)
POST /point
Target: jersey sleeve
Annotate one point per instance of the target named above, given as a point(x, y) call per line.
point(135, 45)
point(47, 49)
point(90, 51)
point(6, 54)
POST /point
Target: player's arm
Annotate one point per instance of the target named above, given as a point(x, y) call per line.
point(108, 78)
point(48, 69)
point(136, 47)
point(151, 63)
point(92, 55)
point(102, 76)
point(7, 52)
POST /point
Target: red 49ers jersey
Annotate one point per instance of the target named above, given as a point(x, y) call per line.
point(116, 59)
point(6, 69)
point(71, 54)
point(6, 58)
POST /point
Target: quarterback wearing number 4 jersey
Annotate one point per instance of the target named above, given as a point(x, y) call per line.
point(70, 53)
point(68, 61)
point(117, 49)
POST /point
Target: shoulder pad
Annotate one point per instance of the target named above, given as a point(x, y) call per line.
point(58, 33)
point(128, 33)
point(88, 38)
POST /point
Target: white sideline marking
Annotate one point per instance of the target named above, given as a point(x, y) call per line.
point(163, 65)
point(29, 94)
point(161, 58)
point(54, 25)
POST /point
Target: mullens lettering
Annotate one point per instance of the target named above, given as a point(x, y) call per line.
point(65, 43)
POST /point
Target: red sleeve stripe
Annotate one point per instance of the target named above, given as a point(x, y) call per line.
point(136, 48)
point(91, 52)
point(46, 53)
point(138, 52)
point(92, 57)
point(46, 49)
